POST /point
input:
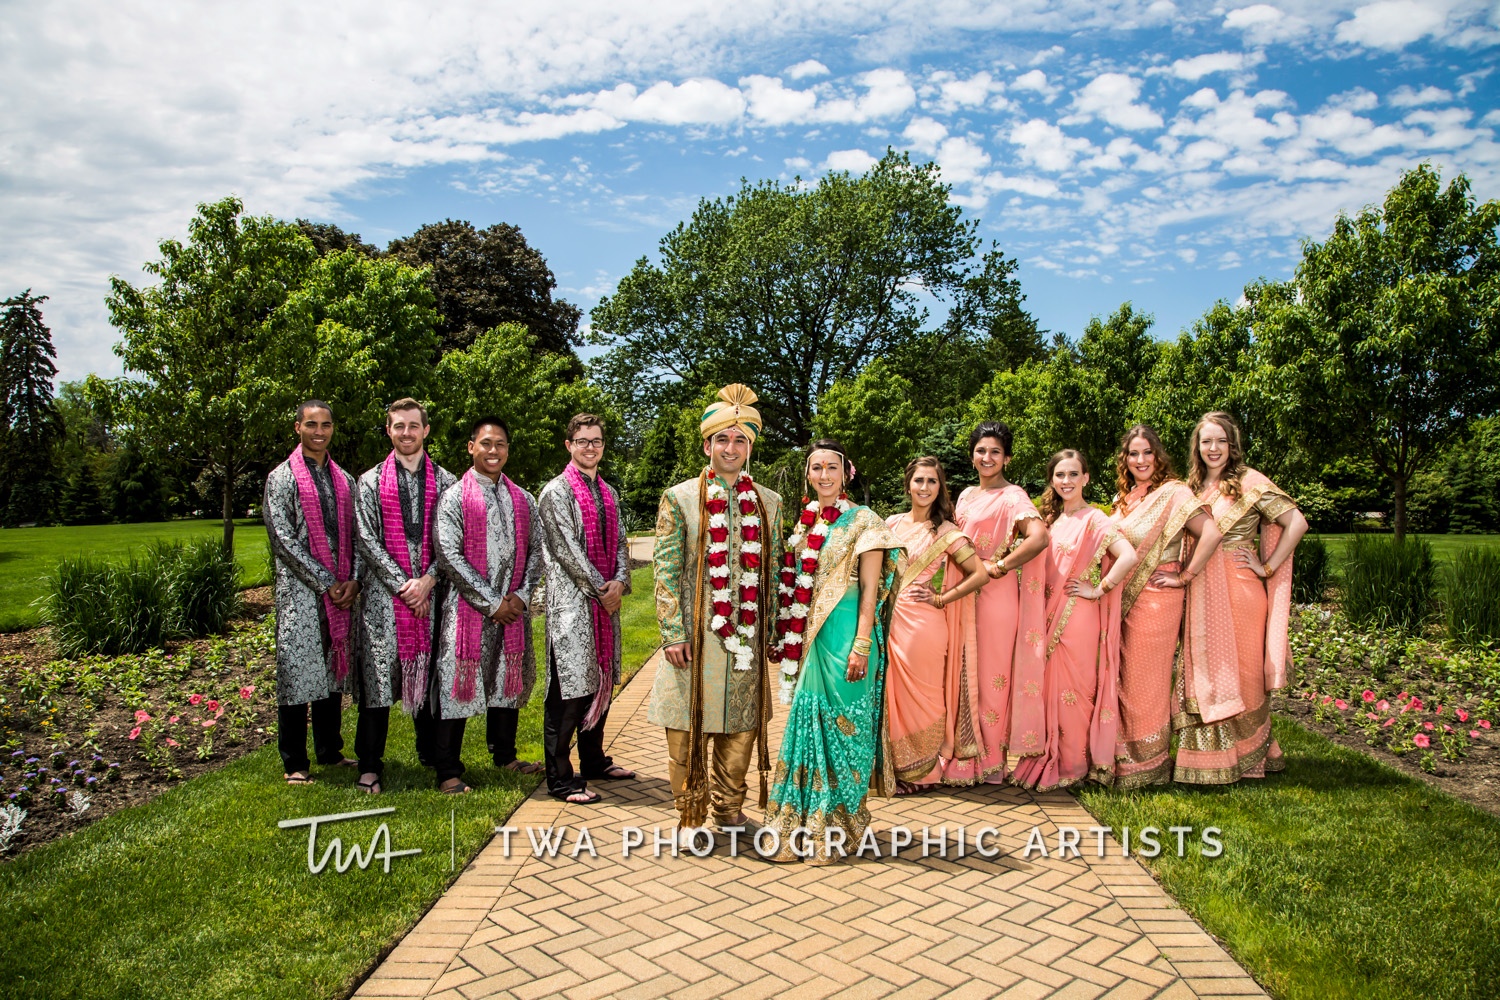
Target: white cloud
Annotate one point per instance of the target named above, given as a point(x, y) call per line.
point(772, 102)
point(1263, 24)
point(924, 134)
point(805, 69)
point(975, 91)
point(1198, 67)
point(961, 160)
point(1046, 147)
point(1392, 24)
point(1035, 80)
point(799, 164)
point(1112, 97)
point(888, 93)
point(701, 101)
point(1235, 121)
point(856, 161)
point(1046, 54)
point(1409, 97)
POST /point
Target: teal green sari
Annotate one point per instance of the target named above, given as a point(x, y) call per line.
point(831, 752)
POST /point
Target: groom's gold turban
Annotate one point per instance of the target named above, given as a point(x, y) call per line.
point(732, 409)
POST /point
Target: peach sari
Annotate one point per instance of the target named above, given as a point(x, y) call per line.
point(1150, 622)
point(932, 694)
point(1009, 626)
point(1083, 660)
point(1234, 646)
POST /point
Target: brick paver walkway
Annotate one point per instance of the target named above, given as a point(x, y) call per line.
point(528, 927)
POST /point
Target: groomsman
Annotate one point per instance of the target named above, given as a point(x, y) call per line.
point(395, 506)
point(489, 547)
point(309, 515)
point(718, 542)
point(588, 575)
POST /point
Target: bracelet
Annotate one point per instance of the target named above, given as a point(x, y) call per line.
point(1270, 570)
point(939, 600)
point(1000, 565)
point(861, 646)
point(1105, 586)
point(1185, 577)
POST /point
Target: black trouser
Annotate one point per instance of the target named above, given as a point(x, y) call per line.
point(562, 719)
point(291, 733)
point(500, 733)
point(369, 738)
point(448, 747)
point(425, 724)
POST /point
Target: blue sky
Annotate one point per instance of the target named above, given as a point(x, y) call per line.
point(1158, 152)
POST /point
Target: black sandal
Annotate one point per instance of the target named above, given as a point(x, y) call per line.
point(589, 797)
point(612, 773)
point(458, 789)
point(371, 787)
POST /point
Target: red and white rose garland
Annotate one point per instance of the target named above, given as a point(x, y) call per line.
point(797, 586)
point(735, 626)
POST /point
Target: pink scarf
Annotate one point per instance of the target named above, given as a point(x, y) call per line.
point(413, 636)
point(470, 620)
point(317, 537)
point(603, 552)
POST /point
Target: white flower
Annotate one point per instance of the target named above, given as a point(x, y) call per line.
point(721, 595)
point(717, 521)
point(789, 667)
point(717, 622)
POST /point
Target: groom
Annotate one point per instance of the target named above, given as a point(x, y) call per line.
point(718, 542)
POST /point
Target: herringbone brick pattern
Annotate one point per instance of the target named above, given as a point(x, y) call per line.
point(639, 927)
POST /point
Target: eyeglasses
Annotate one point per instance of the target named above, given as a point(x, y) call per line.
point(589, 442)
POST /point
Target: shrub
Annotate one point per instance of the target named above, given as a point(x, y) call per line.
point(1473, 595)
point(1310, 571)
point(1387, 585)
point(203, 585)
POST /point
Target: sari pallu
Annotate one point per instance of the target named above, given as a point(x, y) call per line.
point(1083, 661)
point(1234, 649)
point(932, 694)
point(1150, 621)
point(835, 750)
point(1009, 626)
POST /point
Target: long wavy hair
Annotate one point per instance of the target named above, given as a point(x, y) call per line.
point(1049, 503)
point(1229, 482)
point(1124, 478)
point(942, 504)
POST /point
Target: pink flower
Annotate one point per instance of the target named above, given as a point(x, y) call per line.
point(1371, 715)
point(209, 722)
point(1473, 734)
point(1340, 704)
point(1402, 696)
point(141, 715)
point(218, 711)
point(213, 704)
point(1388, 723)
point(1447, 728)
point(1328, 699)
point(172, 743)
point(135, 732)
point(1416, 702)
point(1484, 723)
point(247, 691)
point(1422, 740)
point(1427, 726)
point(1439, 710)
point(194, 699)
point(1462, 715)
point(1368, 696)
point(173, 719)
point(1382, 705)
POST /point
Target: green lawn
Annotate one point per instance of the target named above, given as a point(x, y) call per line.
point(199, 894)
point(27, 556)
point(1340, 878)
point(1444, 547)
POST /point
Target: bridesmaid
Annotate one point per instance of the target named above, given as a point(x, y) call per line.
point(1234, 644)
point(1087, 561)
point(1156, 512)
point(931, 691)
point(1001, 521)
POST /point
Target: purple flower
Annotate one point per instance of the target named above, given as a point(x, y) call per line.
point(90, 780)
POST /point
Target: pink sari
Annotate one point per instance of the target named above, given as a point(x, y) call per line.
point(1009, 627)
point(1083, 660)
point(932, 693)
point(1150, 621)
point(1235, 649)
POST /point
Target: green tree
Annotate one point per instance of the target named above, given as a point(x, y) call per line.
point(327, 238)
point(503, 373)
point(1385, 341)
point(485, 277)
point(28, 418)
point(209, 385)
point(872, 416)
point(791, 288)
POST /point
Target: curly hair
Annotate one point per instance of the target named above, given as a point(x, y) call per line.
point(1049, 503)
point(1124, 478)
point(942, 504)
point(1229, 482)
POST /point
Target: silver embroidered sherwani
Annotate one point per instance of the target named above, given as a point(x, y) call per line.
point(731, 698)
point(484, 593)
point(381, 577)
point(304, 656)
point(572, 585)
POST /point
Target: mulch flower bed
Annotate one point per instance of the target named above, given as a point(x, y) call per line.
point(80, 739)
point(1420, 703)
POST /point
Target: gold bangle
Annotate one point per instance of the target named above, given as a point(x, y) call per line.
point(941, 600)
point(1270, 570)
point(861, 646)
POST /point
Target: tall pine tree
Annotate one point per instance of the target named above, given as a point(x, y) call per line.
point(27, 417)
